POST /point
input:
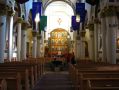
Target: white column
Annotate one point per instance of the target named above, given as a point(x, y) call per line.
point(34, 49)
point(111, 35)
point(75, 48)
point(43, 45)
point(82, 49)
point(38, 46)
point(10, 35)
point(96, 40)
point(19, 39)
point(103, 30)
point(82, 44)
point(23, 42)
point(78, 49)
point(91, 44)
point(2, 36)
point(74, 44)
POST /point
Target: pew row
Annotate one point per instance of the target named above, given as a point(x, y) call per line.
point(88, 76)
point(13, 80)
point(3, 84)
point(29, 70)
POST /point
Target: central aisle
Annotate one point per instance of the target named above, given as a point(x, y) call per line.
point(54, 81)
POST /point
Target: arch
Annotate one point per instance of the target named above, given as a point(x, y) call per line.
point(50, 1)
point(59, 18)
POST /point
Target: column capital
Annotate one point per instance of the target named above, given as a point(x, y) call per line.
point(24, 25)
point(91, 34)
point(110, 11)
point(19, 20)
point(102, 13)
point(90, 26)
point(82, 33)
point(11, 12)
point(39, 37)
point(97, 21)
point(34, 33)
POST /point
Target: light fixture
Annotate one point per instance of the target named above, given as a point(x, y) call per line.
point(37, 18)
point(77, 18)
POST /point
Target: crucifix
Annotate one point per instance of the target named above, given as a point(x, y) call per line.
point(59, 21)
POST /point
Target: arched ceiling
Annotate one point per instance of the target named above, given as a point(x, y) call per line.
point(70, 2)
point(59, 16)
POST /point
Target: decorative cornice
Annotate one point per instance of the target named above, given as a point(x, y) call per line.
point(24, 25)
point(19, 20)
point(34, 33)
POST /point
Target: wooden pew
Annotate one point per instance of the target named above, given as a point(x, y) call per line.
point(99, 80)
point(3, 84)
point(23, 69)
point(13, 80)
point(99, 71)
point(103, 84)
point(33, 68)
point(23, 72)
point(39, 62)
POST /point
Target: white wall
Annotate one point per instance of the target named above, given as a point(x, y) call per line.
point(59, 16)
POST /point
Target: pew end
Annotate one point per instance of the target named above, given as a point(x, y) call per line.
point(3, 84)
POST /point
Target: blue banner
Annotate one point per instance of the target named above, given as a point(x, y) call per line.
point(75, 25)
point(80, 9)
point(36, 8)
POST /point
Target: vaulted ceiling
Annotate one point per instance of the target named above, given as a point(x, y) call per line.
point(70, 2)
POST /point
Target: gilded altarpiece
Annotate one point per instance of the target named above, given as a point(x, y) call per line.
point(58, 42)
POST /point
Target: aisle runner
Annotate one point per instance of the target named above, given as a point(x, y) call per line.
point(54, 81)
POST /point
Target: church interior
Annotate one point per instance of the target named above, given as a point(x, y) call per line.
point(59, 44)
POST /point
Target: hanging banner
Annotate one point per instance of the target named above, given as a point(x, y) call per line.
point(36, 8)
point(80, 10)
point(43, 23)
point(21, 1)
point(75, 25)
